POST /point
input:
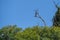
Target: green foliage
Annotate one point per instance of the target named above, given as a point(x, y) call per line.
point(33, 33)
point(8, 32)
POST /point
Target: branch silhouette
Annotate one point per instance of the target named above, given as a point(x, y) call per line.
point(38, 16)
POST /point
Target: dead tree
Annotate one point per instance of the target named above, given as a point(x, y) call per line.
point(38, 16)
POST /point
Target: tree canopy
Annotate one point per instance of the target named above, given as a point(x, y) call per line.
point(33, 33)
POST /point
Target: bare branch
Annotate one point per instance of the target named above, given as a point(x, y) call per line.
point(37, 15)
point(56, 5)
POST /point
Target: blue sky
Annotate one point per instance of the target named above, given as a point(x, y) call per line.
point(21, 12)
